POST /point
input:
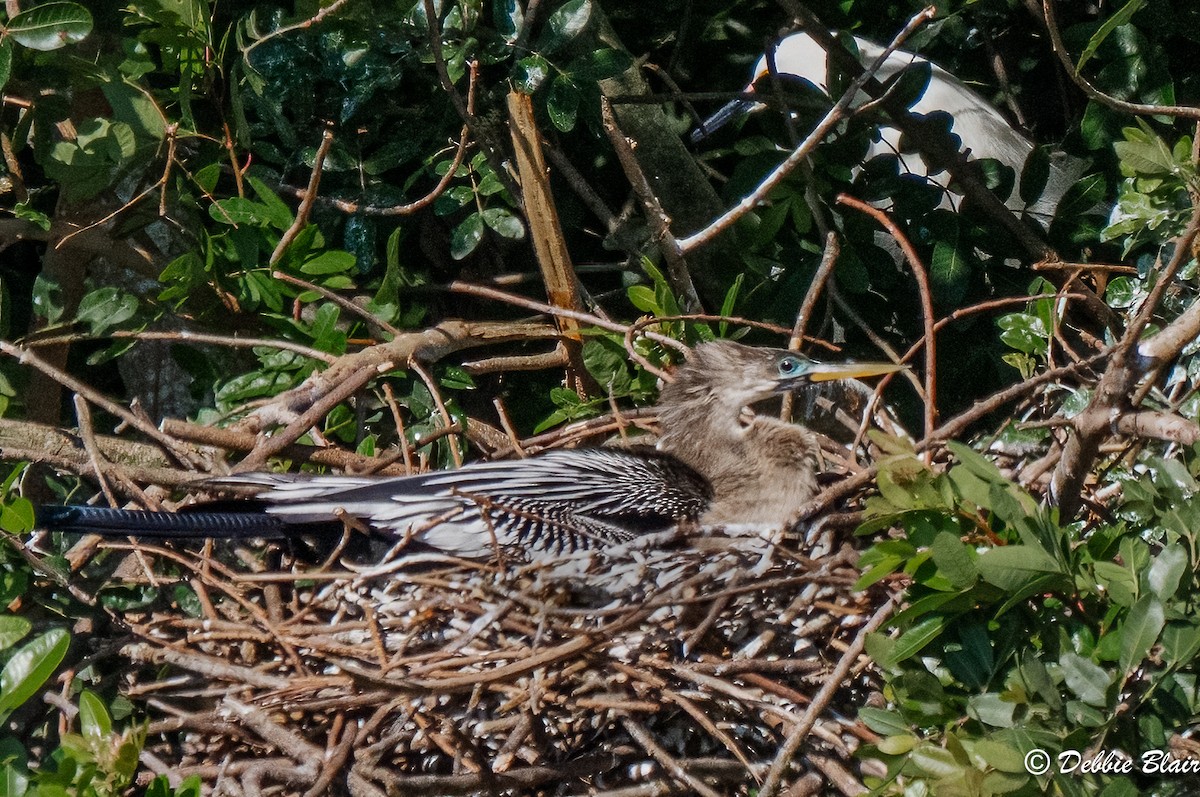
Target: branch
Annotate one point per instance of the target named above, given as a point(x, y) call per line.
point(1135, 108)
point(1125, 368)
point(836, 114)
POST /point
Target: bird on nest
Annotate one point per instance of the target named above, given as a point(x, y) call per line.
point(715, 464)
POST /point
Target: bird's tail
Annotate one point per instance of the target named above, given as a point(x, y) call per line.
point(162, 525)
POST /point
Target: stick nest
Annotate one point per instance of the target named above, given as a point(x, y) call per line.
point(679, 666)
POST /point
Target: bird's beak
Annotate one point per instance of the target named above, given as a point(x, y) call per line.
point(735, 109)
point(828, 372)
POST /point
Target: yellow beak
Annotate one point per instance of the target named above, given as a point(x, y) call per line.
point(828, 372)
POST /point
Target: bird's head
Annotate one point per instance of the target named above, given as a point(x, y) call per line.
point(796, 56)
point(738, 375)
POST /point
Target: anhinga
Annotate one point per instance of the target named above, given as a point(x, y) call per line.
point(716, 463)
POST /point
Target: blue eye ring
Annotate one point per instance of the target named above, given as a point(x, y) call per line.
point(789, 366)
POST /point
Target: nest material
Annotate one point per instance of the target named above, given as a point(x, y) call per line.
point(690, 666)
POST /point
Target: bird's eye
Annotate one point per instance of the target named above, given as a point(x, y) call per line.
point(788, 366)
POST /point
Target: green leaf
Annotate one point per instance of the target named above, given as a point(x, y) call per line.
point(530, 73)
point(1122, 17)
point(1180, 642)
point(1023, 332)
point(332, 261)
point(106, 308)
point(14, 782)
point(885, 723)
point(1034, 175)
point(936, 761)
point(22, 210)
point(1120, 293)
point(275, 211)
point(1118, 580)
point(94, 722)
point(30, 667)
point(466, 236)
point(1014, 567)
point(239, 210)
point(566, 23)
point(12, 630)
point(1140, 631)
point(600, 65)
point(17, 516)
point(912, 641)
point(505, 223)
point(953, 560)
point(976, 463)
point(911, 83)
point(1166, 570)
point(1085, 678)
point(562, 104)
point(6, 55)
point(508, 17)
point(456, 378)
point(1003, 757)
point(50, 26)
point(992, 709)
point(949, 272)
point(642, 297)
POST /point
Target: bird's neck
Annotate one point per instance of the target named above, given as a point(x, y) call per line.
point(761, 469)
point(697, 421)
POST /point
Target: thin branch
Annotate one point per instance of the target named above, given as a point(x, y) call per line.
point(677, 269)
point(26, 357)
point(307, 201)
point(431, 385)
point(1135, 108)
point(835, 115)
point(340, 301)
point(834, 682)
point(188, 336)
point(922, 277)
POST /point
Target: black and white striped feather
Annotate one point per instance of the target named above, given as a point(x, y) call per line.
point(558, 502)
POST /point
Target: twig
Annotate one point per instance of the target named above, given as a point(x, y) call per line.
point(315, 19)
point(26, 357)
point(88, 435)
point(340, 301)
point(1135, 108)
point(1125, 367)
point(829, 258)
point(188, 336)
point(431, 385)
point(838, 112)
point(922, 277)
point(833, 682)
point(668, 762)
point(677, 270)
point(307, 201)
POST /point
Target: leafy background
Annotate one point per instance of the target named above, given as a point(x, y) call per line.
point(155, 155)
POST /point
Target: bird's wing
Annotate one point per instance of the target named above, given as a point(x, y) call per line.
point(559, 501)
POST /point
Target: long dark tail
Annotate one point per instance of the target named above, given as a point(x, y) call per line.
point(162, 525)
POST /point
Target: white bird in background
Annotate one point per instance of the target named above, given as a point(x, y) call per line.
point(983, 131)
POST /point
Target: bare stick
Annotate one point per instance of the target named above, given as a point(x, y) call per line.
point(307, 201)
point(1135, 108)
point(677, 270)
point(832, 683)
point(922, 276)
point(26, 357)
point(838, 112)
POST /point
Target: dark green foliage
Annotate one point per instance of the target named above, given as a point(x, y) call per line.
point(189, 129)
